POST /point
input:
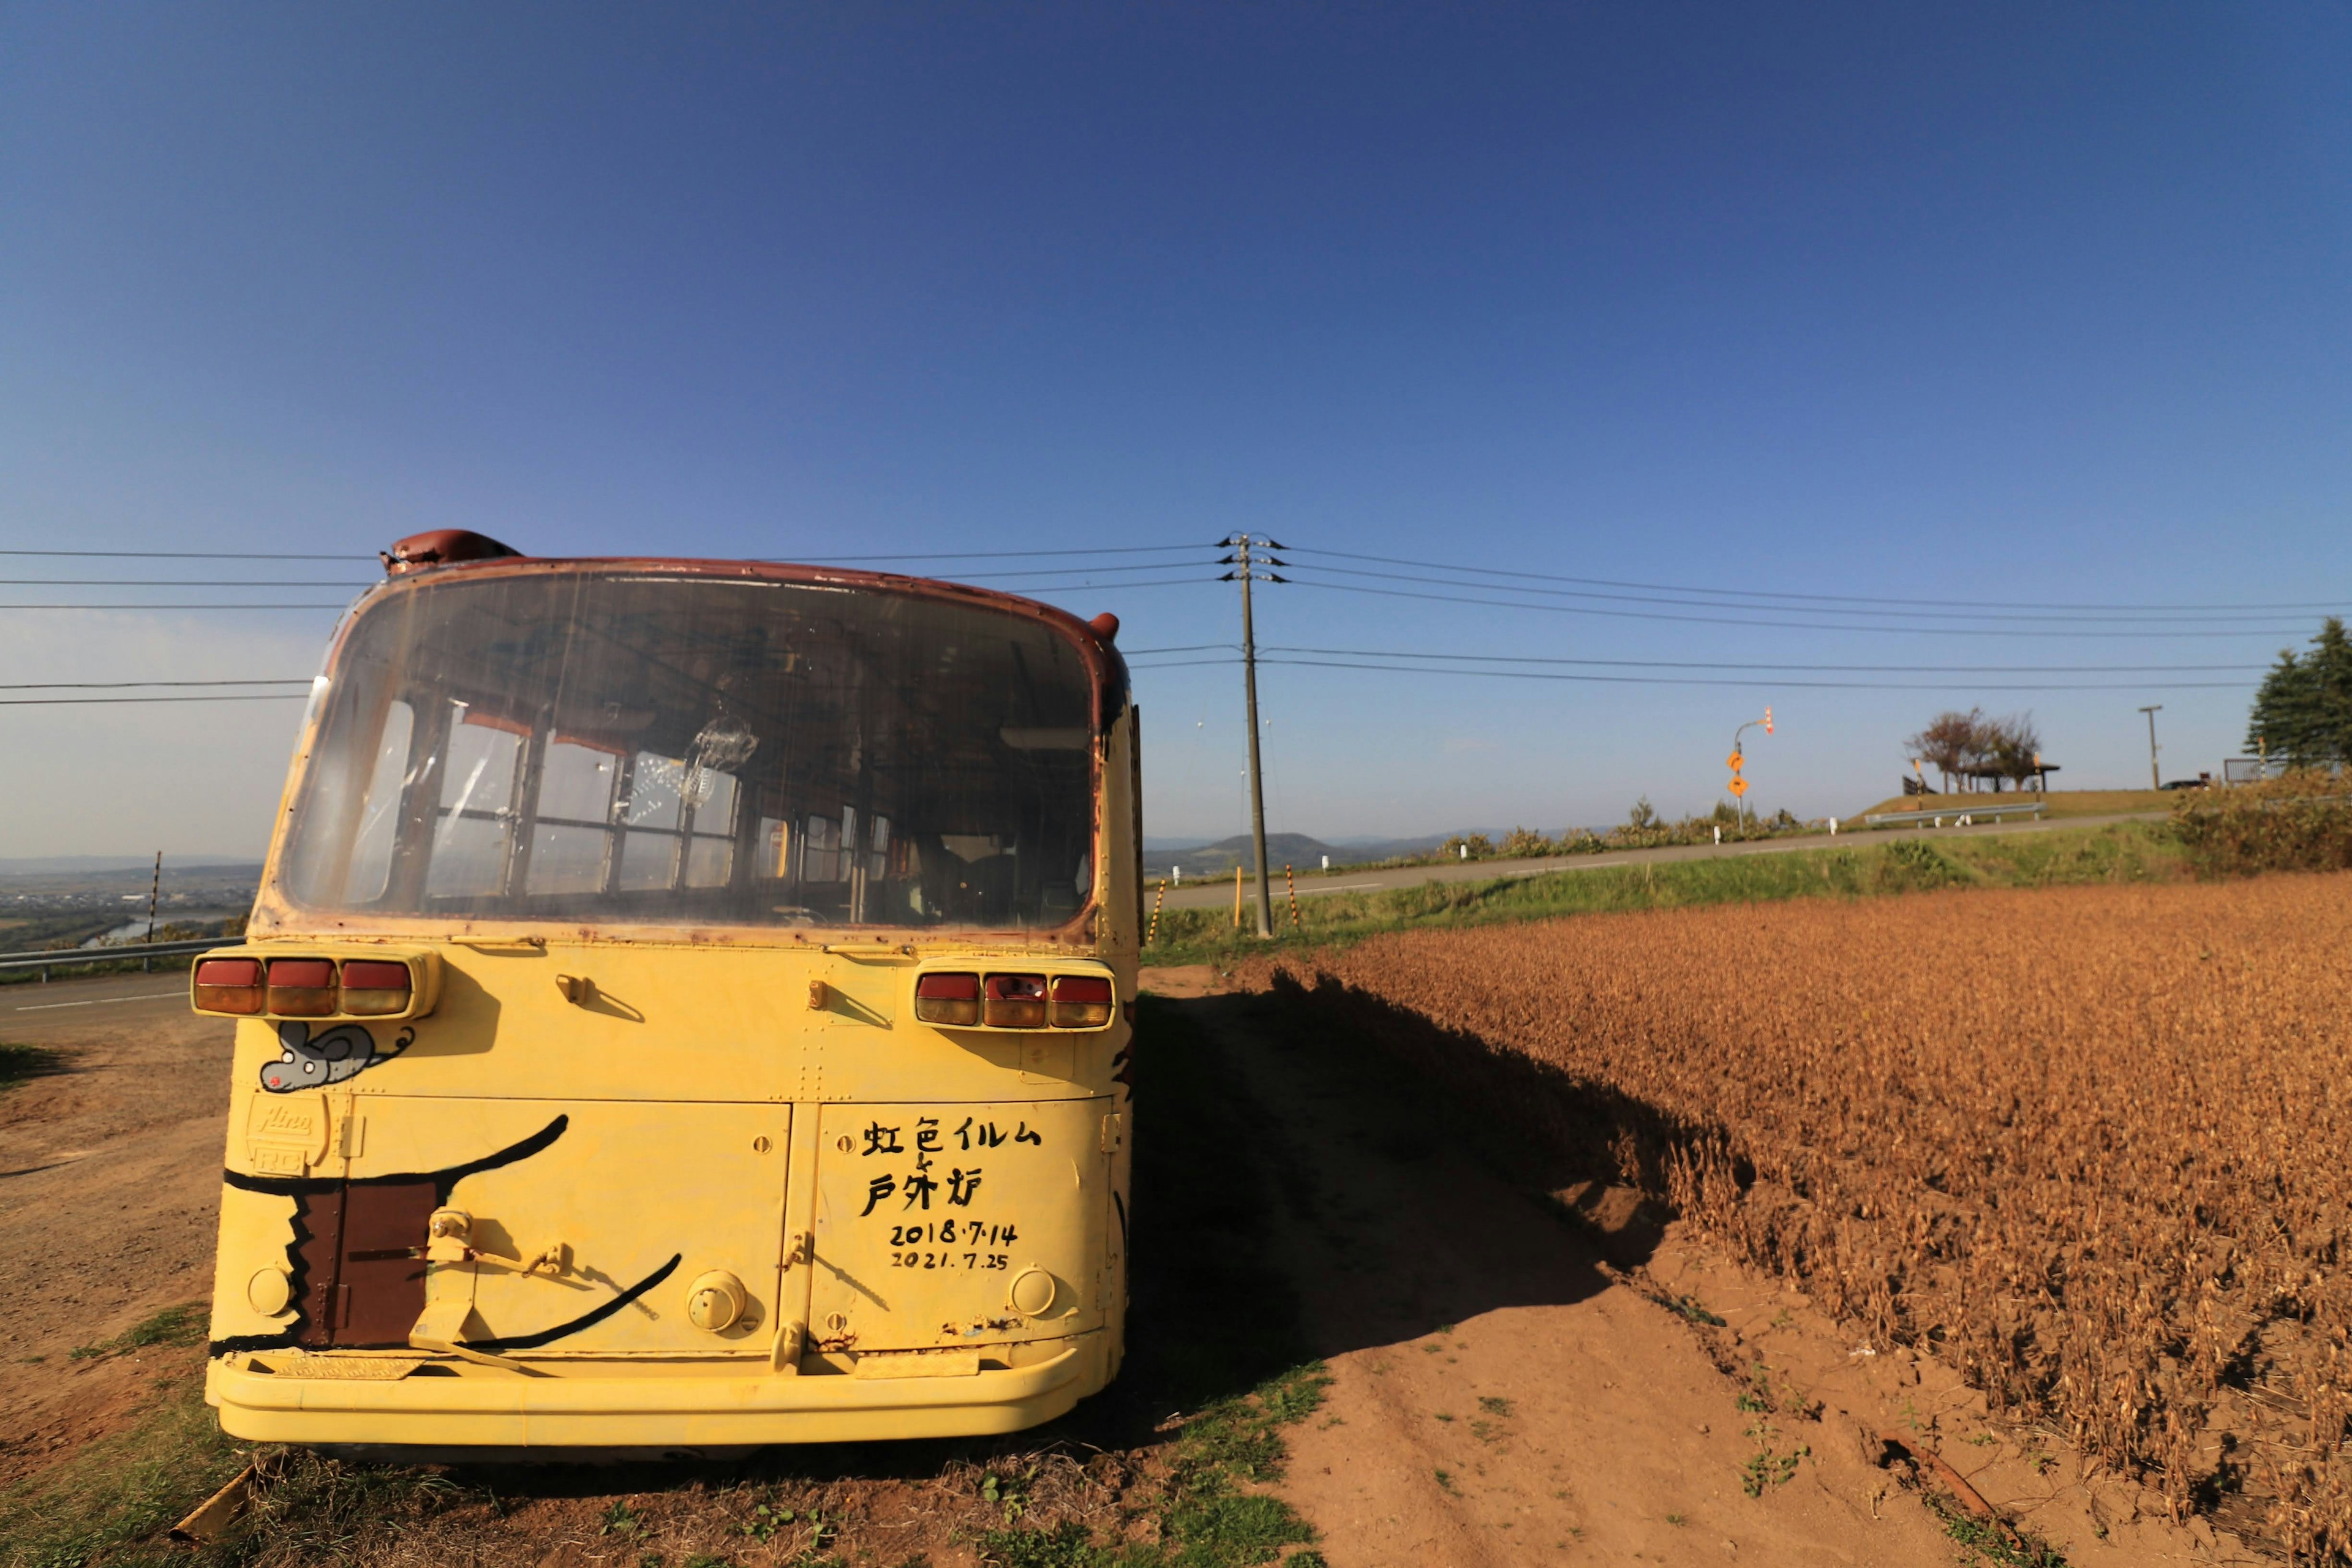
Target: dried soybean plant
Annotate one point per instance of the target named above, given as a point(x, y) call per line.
point(2087, 1144)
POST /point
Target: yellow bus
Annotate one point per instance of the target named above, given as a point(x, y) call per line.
point(688, 1006)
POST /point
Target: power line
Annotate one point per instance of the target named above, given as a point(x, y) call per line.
point(788, 560)
point(1695, 680)
point(2102, 617)
point(1786, 625)
point(184, 555)
point(164, 583)
point(1774, 593)
point(60, 701)
point(1751, 664)
point(174, 606)
point(117, 685)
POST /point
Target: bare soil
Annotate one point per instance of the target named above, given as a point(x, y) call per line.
point(1511, 1383)
point(109, 1191)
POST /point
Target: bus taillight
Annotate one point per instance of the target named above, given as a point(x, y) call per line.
point(1080, 1002)
point(302, 988)
point(949, 999)
point(1014, 1002)
point(229, 984)
point(373, 988)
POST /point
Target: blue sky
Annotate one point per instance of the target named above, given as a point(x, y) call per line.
point(2012, 305)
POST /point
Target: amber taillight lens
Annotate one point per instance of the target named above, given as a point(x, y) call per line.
point(952, 999)
point(229, 984)
point(1081, 1002)
point(375, 988)
point(301, 987)
point(1014, 1002)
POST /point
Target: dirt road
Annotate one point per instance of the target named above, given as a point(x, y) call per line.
point(110, 1181)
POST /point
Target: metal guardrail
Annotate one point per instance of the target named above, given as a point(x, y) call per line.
point(1960, 816)
point(83, 957)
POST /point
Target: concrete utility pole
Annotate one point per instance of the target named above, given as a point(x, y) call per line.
point(1248, 554)
point(2155, 779)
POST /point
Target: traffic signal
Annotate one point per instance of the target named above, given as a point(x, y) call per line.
point(1768, 720)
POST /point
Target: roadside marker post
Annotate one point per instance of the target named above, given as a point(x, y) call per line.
point(1290, 879)
point(1237, 897)
point(1154, 934)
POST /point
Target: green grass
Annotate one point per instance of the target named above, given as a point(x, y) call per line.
point(2120, 852)
point(181, 1325)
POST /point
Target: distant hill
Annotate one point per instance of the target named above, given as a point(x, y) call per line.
point(1282, 850)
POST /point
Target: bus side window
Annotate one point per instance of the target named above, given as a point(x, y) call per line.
point(371, 867)
point(775, 850)
point(575, 813)
point(710, 829)
point(477, 810)
point(821, 850)
point(649, 850)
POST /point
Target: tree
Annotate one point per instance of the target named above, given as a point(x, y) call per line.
point(1953, 741)
point(2302, 713)
point(2012, 745)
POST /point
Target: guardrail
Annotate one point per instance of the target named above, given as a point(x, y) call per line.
point(84, 957)
point(1961, 818)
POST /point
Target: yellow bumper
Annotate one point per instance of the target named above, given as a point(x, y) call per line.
point(494, 1409)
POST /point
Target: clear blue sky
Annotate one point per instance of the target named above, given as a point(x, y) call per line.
point(1998, 303)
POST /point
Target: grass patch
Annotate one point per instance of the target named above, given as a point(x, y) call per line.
point(1987, 1542)
point(22, 1064)
point(2120, 852)
point(2062, 803)
point(181, 1325)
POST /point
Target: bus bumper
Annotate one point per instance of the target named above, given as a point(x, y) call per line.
point(486, 1408)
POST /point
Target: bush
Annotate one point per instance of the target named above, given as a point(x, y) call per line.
point(2301, 822)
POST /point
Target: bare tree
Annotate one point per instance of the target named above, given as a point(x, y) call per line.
point(1951, 741)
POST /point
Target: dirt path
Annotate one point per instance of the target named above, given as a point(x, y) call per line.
point(110, 1185)
point(1504, 1394)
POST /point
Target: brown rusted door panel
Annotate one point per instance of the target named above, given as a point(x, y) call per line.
point(383, 1285)
point(318, 1248)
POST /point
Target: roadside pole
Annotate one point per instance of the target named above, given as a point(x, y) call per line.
point(2155, 778)
point(1244, 562)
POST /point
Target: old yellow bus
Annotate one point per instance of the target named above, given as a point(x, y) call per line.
point(688, 1006)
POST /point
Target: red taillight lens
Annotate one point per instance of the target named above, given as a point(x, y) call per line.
point(301, 987)
point(1014, 1002)
point(375, 988)
point(1081, 1002)
point(229, 984)
point(952, 999)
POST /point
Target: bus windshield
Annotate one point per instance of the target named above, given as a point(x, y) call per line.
point(623, 747)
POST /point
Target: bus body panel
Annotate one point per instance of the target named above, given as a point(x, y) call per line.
point(513, 1216)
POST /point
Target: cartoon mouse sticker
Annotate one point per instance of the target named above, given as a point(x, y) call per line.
point(342, 1052)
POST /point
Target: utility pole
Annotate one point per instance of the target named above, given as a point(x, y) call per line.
point(1248, 555)
point(2155, 779)
point(154, 890)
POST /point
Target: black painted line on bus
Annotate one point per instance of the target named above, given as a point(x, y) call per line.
point(443, 1180)
point(588, 1319)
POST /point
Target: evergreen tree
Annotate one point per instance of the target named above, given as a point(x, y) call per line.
point(2302, 714)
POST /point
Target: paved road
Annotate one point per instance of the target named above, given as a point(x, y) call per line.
point(1215, 893)
point(28, 1008)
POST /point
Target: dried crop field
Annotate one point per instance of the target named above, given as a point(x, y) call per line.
point(2091, 1145)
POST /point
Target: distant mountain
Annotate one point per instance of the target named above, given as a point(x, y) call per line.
point(83, 865)
point(1220, 858)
